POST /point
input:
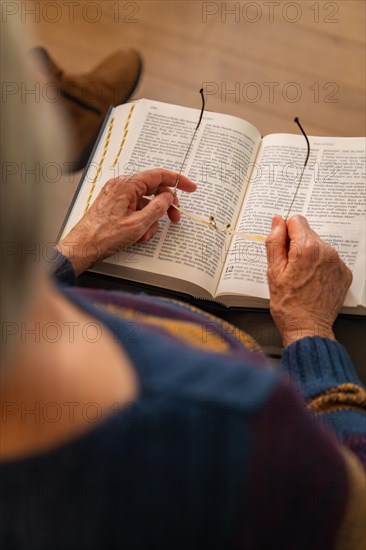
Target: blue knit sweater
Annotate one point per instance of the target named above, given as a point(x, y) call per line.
point(218, 450)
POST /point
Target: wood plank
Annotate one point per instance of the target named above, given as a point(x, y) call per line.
point(292, 48)
point(181, 52)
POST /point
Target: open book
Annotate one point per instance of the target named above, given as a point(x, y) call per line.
point(243, 179)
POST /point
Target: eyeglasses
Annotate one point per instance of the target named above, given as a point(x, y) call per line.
point(211, 221)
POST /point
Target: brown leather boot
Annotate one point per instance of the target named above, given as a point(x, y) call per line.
point(87, 97)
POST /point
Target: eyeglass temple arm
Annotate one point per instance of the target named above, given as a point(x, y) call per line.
point(190, 144)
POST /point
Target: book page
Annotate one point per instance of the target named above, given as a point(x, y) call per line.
point(219, 161)
point(331, 196)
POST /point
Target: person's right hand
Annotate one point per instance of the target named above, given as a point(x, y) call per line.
point(121, 215)
point(307, 280)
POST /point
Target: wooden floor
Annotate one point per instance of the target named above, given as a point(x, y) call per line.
point(313, 67)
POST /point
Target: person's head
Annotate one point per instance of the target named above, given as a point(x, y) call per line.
point(31, 138)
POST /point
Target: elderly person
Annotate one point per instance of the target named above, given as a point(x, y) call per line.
point(122, 428)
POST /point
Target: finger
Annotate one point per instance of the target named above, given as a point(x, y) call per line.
point(149, 233)
point(304, 242)
point(299, 229)
point(154, 210)
point(184, 183)
point(158, 178)
point(173, 213)
point(276, 245)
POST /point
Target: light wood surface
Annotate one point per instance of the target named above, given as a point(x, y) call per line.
point(184, 47)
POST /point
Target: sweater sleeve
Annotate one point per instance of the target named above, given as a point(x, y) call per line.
point(62, 270)
point(324, 374)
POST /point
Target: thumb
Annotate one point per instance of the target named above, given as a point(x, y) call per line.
point(276, 244)
point(154, 210)
point(298, 228)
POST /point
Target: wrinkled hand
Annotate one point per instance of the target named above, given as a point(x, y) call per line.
point(307, 280)
point(121, 216)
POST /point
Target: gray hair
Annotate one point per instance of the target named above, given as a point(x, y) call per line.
point(31, 136)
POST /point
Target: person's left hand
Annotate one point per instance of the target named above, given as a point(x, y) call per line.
point(121, 216)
